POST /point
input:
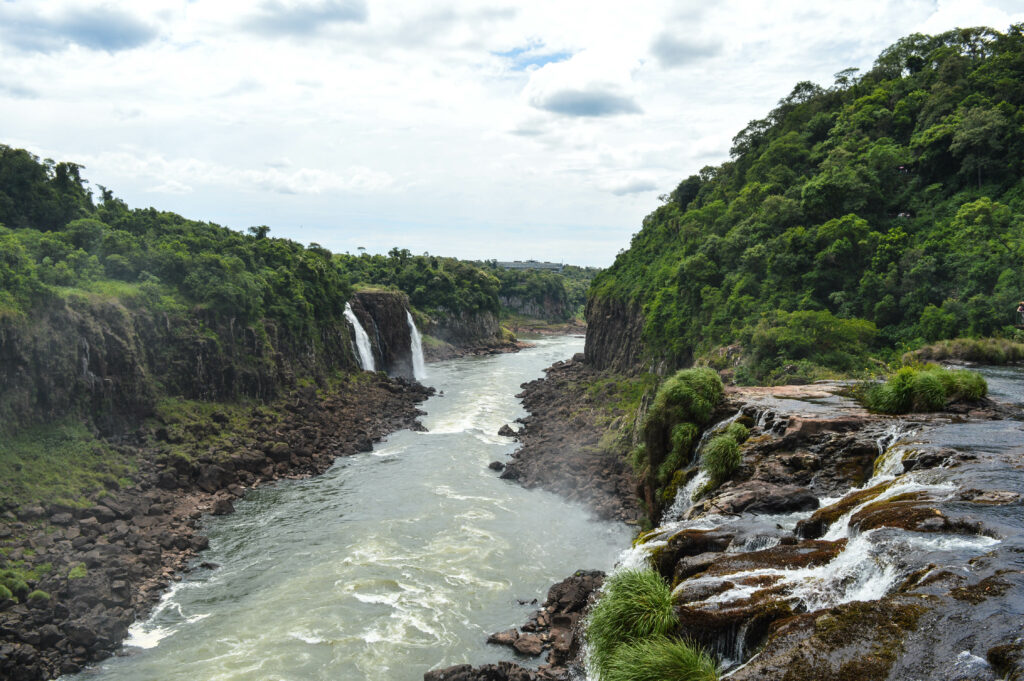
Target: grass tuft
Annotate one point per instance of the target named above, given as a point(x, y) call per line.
point(926, 388)
point(634, 605)
point(721, 458)
point(660, 659)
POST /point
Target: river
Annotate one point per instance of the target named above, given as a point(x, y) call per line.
point(393, 562)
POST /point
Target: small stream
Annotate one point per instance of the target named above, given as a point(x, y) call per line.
point(392, 563)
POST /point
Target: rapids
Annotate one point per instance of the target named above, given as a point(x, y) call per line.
point(393, 562)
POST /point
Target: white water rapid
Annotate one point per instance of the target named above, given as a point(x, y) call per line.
point(419, 367)
point(391, 563)
point(362, 341)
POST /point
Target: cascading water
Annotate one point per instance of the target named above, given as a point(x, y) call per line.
point(684, 495)
point(863, 565)
point(362, 341)
point(419, 367)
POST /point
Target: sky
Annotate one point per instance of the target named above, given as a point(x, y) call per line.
point(477, 129)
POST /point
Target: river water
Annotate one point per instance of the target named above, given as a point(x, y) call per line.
point(393, 562)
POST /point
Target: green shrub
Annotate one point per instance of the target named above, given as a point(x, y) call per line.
point(77, 572)
point(660, 659)
point(683, 403)
point(928, 392)
point(5, 593)
point(638, 459)
point(634, 605)
point(721, 458)
point(683, 437)
point(987, 350)
point(927, 388)
point(968, 385)
point(39, 595)
point(689, 395)
point(737, 431)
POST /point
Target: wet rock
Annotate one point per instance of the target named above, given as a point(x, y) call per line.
point(531, 645)
point(689, 543)
point(504, 638)
point(496, 466)
point(222, 506)
point(506, 431)
point(757, 496)
point(502, 671)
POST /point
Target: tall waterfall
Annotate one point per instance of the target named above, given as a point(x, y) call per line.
point(362, 340)
point(419, 369)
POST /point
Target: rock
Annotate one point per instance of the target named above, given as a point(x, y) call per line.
point(496, 466)
point(529, 644)
point(61, 519)
point(503, 638)
point(757, 496)
point(211, 478)
point(279, 451)
point(506, 431)
point(222, 506)
point(502, 671)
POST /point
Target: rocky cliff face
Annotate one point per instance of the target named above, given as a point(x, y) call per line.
point(547, 309)
point(383, 316)
point(464, 329)
point(108, 361)
point(614, 330)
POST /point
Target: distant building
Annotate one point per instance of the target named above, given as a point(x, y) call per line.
point(531, 265)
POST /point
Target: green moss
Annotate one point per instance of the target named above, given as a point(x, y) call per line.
point(38, 595)
point(78, 571)
point(61, 461)
point(5, 593)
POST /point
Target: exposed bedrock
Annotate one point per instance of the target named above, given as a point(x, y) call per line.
point(614, 331)
point(383, 316)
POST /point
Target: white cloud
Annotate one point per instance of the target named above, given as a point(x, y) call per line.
point(456, 128)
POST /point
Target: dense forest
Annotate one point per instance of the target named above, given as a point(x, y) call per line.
point(870, 216)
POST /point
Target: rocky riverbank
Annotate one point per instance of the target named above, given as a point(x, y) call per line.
point(562, 447)
point(96, 569)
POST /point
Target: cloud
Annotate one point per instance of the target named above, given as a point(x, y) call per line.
point(97, 28)
point(635, 185)
point(16, 91)
point(279, 19)
point(671, 51)
point(180, 175)
point(586, 103)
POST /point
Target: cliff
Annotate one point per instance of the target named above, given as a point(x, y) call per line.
point(109, 360)
point(614, 334)
point(548, 308)
point(383, 316)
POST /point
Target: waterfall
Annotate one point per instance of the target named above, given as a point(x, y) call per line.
point(419, 369)
point(362, 340)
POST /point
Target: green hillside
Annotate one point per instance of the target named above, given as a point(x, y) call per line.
point(875, 214)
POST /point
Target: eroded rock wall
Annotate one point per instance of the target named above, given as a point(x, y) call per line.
point(614, 335)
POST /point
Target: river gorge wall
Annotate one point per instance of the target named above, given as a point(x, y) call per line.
point(110, 361)
point(614, 334)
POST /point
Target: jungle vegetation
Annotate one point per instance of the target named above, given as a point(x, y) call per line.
point(870, 216)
